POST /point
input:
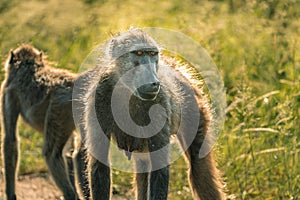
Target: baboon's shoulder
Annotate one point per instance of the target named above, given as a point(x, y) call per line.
point(52, 78)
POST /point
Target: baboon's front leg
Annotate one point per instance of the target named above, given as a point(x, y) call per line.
point(71, 171)
point(100, 180)
point(80, 169)
point(68, 152)
point(142, 164)
point(142, 186)
point(159, 178)
point(10, 112)
point(99, 173)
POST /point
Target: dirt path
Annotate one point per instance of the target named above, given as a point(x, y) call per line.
point(36, 187)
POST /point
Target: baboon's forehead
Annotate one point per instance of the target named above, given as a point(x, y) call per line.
point(131, 41)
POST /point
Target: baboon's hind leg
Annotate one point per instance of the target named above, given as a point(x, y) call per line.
point(55, 139)
point(10, 112)
point(58, 169)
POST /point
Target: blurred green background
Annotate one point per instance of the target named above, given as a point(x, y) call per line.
point(254, 43)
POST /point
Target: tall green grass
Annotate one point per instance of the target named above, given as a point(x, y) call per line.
point(254, 43)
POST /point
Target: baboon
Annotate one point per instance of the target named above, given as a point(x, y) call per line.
point(42, 95)
point(136, 80)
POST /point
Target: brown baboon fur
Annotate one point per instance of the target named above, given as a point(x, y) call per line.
point(128, 51)
point(42, 96)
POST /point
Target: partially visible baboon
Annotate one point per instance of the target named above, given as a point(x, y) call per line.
point(135, 68)
point(42, 96)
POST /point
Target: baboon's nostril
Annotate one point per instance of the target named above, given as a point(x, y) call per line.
point(155, 84)
point(150, 88)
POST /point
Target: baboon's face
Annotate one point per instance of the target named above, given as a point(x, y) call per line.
point(144, 63)
point(136, 57)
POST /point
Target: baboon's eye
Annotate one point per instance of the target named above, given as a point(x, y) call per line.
point(153, 53)
point(139, 53)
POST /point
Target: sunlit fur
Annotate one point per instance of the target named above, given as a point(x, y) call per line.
point(204, 177)
point(42, 96)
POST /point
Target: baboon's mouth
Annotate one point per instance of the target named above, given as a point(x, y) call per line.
point(147, 96)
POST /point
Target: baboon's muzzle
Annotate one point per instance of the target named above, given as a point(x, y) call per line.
point(149, 91)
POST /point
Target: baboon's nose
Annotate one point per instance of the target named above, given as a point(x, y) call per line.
point(155, 86)
point(151, 87)
point(149, 91)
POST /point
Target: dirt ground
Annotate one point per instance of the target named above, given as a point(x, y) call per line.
point(37, 187)
point(34, 186)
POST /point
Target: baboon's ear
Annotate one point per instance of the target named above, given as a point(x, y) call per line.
point(11, 57)
point(40, 57)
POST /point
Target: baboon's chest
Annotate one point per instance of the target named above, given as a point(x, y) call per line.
point(131, 123)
